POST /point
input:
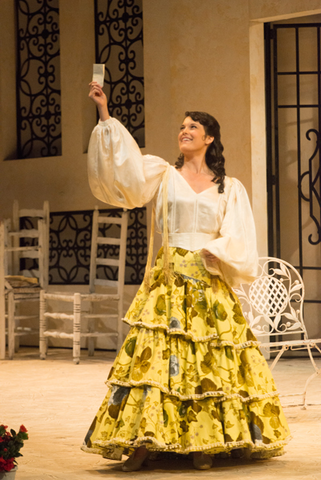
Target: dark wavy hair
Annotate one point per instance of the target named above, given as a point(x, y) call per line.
point(214, 153)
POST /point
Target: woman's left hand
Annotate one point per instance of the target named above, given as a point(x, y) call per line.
point(209, 257)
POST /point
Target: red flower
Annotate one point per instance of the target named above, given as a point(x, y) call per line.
point(6, 465)
point(23, 429)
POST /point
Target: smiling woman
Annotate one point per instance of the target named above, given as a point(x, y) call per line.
point(190, 378)
point(201, 160)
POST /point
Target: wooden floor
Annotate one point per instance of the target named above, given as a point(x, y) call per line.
point(57, 400)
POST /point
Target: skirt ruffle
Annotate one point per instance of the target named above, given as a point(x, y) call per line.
point(189, 376)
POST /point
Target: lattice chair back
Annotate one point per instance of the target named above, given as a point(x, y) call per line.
point(273, 303)
point(102, 224)
point(36, 239)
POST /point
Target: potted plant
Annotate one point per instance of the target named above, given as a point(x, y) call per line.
point(10, 445)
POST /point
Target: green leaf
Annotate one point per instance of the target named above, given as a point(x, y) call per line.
point(189, 301)
point(146, 354)
point(228, 438)
point(250, 335)
point(206, 364)
point(181, 252)
point(113, 410)
point(215, 415)
point(160, 307)
point(243, 393)
point(179, 280)
point(166, 354)
point(120, 423)
point(257, 421)
point(192, 345)
point(183, 425)
point(275, 422)
point(229, 353)
point(266, 440)
point(219, 311)
point(208, 385)
point(130, 346)
point(145, 366)
point(210, 321)
point(238, 315)
point(191, 416)
point(198, 390)
point(165, 415)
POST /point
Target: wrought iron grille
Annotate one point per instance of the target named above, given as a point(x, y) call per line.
point(38, 78)
point(293, 106)
point(119, 45)
point(70, 243)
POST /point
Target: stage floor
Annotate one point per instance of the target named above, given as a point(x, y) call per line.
point(57, 400)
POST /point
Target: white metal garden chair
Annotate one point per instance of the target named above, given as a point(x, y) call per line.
point(18, 287)
point(83, 322)
point(273, 307)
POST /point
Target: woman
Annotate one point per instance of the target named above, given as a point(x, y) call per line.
point(189, 378)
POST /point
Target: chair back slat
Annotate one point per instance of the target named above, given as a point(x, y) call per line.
point(40, 235)
point(100, 221)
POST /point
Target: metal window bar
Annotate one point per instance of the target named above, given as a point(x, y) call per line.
point(273, 107)
point(119, 45)
point(38, 78)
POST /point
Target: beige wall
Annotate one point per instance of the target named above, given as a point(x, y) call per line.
point(189, 55)
point(273, 10)
point(205, 55)
point(196, 57)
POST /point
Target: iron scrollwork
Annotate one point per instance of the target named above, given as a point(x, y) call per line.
point(70, 244)
point(314, 186)
point(119, 45)
point(38, 78)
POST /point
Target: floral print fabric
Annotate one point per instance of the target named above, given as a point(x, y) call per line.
point(189, 376)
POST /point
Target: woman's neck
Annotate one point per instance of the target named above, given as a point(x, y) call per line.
point(196, 164)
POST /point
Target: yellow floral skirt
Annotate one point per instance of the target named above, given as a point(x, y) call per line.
point(189, 376)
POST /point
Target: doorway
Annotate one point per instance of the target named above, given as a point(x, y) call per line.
point(293, 118)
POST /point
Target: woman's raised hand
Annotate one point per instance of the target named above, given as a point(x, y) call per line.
point(99, 98)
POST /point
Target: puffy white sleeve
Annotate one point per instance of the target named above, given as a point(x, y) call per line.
point(236, 246)
point(118, 173)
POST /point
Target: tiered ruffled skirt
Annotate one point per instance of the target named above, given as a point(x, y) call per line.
point(189, 376)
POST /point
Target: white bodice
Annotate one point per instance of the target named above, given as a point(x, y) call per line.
point(208, 221)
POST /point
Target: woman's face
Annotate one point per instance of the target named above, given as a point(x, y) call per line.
point(192, 138)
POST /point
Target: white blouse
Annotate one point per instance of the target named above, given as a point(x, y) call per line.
point(221, 224)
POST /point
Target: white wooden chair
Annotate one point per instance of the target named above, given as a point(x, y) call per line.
point(273, 307)
point(79, 316)
point(18, 287)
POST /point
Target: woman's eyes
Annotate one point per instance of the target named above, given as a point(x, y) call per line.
point(191, 126)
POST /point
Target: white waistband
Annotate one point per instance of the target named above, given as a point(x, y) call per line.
point(190, 241)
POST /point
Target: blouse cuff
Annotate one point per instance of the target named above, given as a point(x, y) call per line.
point(105, 123)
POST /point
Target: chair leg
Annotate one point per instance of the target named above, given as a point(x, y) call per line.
point(43, 341)
point(2, 327)
point(275, 361)
point(91, 327)
point(120, 325)
point(76, 328)
point(17, 338)
point(11, 324)
point(311, 377)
